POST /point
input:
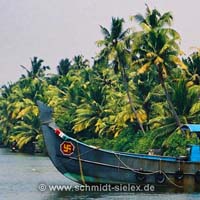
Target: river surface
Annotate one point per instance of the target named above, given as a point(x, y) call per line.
point(23, 176)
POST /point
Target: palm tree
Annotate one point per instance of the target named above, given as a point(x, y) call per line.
point(110, 42)
point(27, 126)
point(79, 62)
point(193, 63)
point(18, 103)
point(147, 89)
point(5, 124)
point(64, 66)
point(103, 108)
point(157, 49)
point(9, 95)
point(154, 20)
point(115, 51)
point(37, 70)
point(188, 109)
point(90, 111)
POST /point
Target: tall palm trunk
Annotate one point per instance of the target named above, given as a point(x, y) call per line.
point(173, 111)
point(125, 83)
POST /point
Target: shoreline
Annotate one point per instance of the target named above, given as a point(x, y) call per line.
point(17, 152)
point(2, 146)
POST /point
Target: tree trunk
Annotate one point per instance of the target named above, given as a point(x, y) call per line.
point(121, 59)
point(124, 77)
point(169, 100)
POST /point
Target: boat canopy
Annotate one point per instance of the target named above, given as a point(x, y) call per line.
point(191, 127)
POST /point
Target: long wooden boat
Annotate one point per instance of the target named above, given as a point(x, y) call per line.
point(86, 164)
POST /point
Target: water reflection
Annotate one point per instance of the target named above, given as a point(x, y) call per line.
point(21, 174)
point(120, 196)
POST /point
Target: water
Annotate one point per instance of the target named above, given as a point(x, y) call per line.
point(21, 175)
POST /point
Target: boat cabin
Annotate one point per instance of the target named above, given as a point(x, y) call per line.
point(193, 150)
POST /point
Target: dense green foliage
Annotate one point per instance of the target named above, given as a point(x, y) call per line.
point(133, 97)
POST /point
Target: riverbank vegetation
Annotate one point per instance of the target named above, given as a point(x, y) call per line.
point(133, 96)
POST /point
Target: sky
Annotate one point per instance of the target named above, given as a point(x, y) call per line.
point(57, 29)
